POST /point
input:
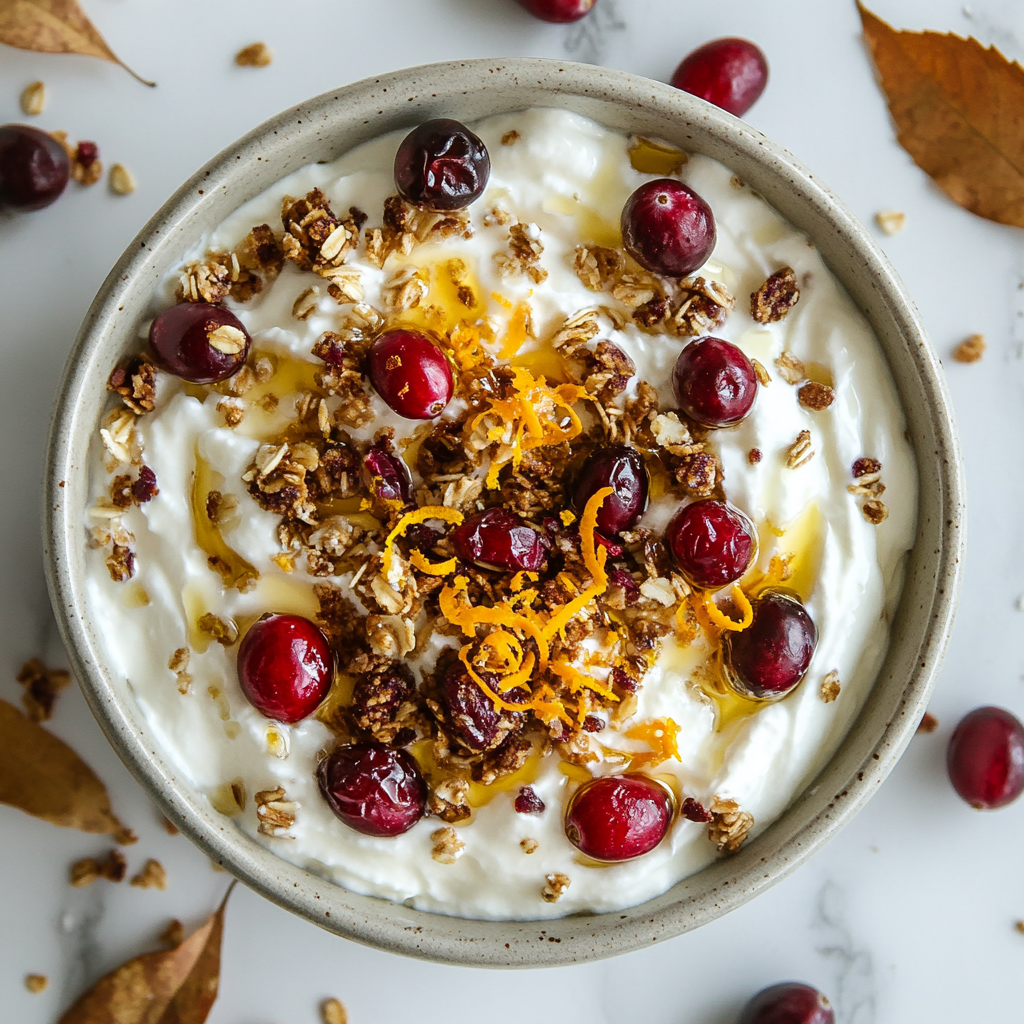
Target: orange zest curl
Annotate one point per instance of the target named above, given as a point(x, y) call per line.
point(721, 620)
point(419, 561)
point(419, 515)
point(661, 735)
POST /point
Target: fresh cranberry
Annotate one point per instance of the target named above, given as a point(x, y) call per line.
point(714, 382)
point(374, 789)
point(621, 468)
point(386, 474)
point(985, 758)
point(285, 667)
point(499, 539)
point(34, 168)
point(712, 542)
point(559, 11)
point(145, 489)
point(442, 165)
point(411, 374)
point(471, 715)
point(731, 73)
point(668, 228)
point(770, 656)
point(789, 1002)
point(199, 342)
point(618, 817)
point(527, 802)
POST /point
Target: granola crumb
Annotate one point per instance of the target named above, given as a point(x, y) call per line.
point(528, 845)
point(729, 825)
point(791, 369)
point(42, 685)
point(776, 297)
point(90, 869)
point(1019, 926)
point(33, 99)
point(971, 350)
point(555, 885)
point(174, 934)
point(892, 222)
point(510, 138)
point(125, 837)
point(761, 373)
point(875, 511)
point(257, 55)
point(122, 182)
point(830, 687)
point(276, 815)
point(799, 453)
point(815, 396)
point(152, 876)
point(332, 1012)
point(754, 456)
point(448, 847)
point(928, 724)
point(36, 983)
point(225, 633)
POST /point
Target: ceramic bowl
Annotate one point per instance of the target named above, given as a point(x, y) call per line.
point(323, 129)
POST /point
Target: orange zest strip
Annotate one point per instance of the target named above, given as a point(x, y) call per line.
point(521, 578)
point(419, 561)
point(721, 620)
point(577, 680)
point(419, 515)
point(661, 735)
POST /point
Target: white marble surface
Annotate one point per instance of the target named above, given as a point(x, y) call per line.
point(907, 916)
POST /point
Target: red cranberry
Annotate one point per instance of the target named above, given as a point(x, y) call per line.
point(712, 542)
point(442, 165)
point(374, 789)
point(411, 374)
point(668, 228)
point(285, 667)
point(34, 168)
point(694, 810)
point(87, 153)
point(199, 342)
point(789, 1002)
point(621, 468)
point(731, 73)
point(624, 580)
point(985, 758)
point(145, 489)
point(770, 656)
point(527, 802)
point(714, 382)
point(558, 11)
point(386, 474)
point(471, 715)
point(618, 817)
point(499, 539)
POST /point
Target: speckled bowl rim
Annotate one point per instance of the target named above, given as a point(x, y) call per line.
point(325, 127)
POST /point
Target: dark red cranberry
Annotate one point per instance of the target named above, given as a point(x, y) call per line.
point(714, 382)
point(34, 168)
point(199, 342)
point(985, 758)
point(731, 73)
point(411, 374)
point(374, 789)
point(87, 153)
point(285, 667)
point(770, 656)
point(620, 467)
point(668, 228)
point(593, 724)
point(789, 1002)
point(527, 802)
point(442, 165)
point(621, 680)
point(558, 11)
point(712, 542)
point(470, 713)
point(694, 810)
point(618, 817)
point(499, 539)
point(145, 489)
point(387, 476)
point(624, 581)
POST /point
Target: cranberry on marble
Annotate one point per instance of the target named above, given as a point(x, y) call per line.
point(472, 718)
point(386, 474)
point(769, 657)
point(411, 374)
point(442, 165)
point(285, 667)
point(34, 168)
point(618, 817)
point(712, 542)
point(789, 1002)
point(620, 467)
point(499, 539)
point(731, 73)
point(985, 758)
point(199, 342)
point(668, 228)
point(558, 11)
point(714, 382)
point(374, 789)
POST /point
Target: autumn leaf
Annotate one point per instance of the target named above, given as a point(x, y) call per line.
point(54, 26)
point(42, 775)
point(170, 986)
point(959, 112)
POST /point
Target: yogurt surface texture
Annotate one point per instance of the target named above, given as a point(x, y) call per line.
point(530, 262)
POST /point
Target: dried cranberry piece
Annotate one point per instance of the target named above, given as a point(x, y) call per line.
point(499, 539)
point(985, 758)
point(731, 73)
point(712, 542)
point(770, 656)
point(593, 724)
point(87, 153)
point(470, 714)
point(668, 228)
point(693, 810)
point(789, 1002)
point(622, 680)
point(558, 11)
point(620, 467)
point(285, 667)
point(145, 489)
point(199, 342)
point(527, 802)
point(373, 789)
point(34, 168)
point(411, 374)
point(386, 474)
point(624, 580)
point(442, 165)
point(714, 382)
point(618, 817)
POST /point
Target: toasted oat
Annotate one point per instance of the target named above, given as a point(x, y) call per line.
point(799, 453)
point(152, 876)
point(791, 369)
point(332, 1012)
point(815, 396)
point(971, 350)
point(555, 885)
point(448, 846)
point(598, 267)
point(227, 339)
point(875, 511)
point(345, 285)
point(135, 382)
point(220, 507)
point(830, 687)
point(729, 825)
point(122, 183)
point(178, 664)
point(700, 306)
point(225, 633)
point(776, 297)
point(169, 827)
point(450, 800)
point(406, 290)
point(529, 846)
point(121, 563)
point(33, 98)
point(892, 222)
point(233, 411)
point(241, 382)
point(508, 139)
point(761, 373)
point(929, 723)
point(174, 934)
point(36, 983)
point(523, 257)
point(42, 685)
point(276, 815)
point(256, 55)
point(576, 331)
point(90, 869)
point(305, 305)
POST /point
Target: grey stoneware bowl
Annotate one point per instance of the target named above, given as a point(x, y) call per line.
point(323, 129)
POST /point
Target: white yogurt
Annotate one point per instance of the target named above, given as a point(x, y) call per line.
point(571, 177)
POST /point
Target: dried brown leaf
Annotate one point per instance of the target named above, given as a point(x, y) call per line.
point(43, 776)
point(171, 986)
point(54, 26)
point(959, 112)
